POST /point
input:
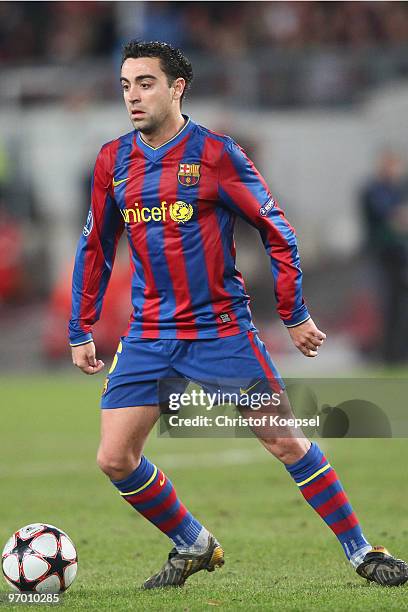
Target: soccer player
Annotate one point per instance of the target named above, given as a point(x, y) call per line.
point(176, 188)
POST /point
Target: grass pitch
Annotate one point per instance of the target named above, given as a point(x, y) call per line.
point(279, 554)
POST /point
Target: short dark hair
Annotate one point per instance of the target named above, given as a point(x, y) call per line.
point(173, 62)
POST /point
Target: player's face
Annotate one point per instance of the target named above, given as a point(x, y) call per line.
point(149, 99)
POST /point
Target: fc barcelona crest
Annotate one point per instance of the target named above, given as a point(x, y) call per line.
point(188, 174)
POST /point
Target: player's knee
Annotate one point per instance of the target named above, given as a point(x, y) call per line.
point(287, 450)
point(116, 466)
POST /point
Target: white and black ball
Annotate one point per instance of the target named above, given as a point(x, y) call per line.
point(39, 558)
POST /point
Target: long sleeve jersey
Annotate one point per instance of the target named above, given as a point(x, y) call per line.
point(178, 204)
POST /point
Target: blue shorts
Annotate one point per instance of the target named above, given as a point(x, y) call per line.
point(138, 365)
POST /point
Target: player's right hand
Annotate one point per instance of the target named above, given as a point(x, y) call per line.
point(84, 358)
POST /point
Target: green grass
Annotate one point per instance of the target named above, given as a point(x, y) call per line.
point(279, 554)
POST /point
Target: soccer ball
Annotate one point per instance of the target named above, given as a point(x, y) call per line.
point(39, 558)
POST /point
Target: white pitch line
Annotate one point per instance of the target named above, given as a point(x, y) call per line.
point(214, 459)
point(186, 461)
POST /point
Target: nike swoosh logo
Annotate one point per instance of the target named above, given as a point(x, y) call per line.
point(245, 391)
point(116, 183)
point(161, 482)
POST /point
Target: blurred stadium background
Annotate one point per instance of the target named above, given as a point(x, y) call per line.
point(316, 92)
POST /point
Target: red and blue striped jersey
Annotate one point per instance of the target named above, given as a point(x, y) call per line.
point(177, 204)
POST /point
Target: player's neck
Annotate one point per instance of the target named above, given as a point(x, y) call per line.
point(165, 132)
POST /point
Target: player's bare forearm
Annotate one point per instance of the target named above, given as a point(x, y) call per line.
point(307, 338)
point(84, 358)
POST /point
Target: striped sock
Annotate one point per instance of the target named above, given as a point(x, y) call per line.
point(152, 494)
point(320, 486)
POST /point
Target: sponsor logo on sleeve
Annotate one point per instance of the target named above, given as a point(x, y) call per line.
point(267, 207)
point(88, 225)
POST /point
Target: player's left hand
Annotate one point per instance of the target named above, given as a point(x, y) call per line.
point(307, 337)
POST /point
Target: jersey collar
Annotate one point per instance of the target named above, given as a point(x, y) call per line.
point(156, 152)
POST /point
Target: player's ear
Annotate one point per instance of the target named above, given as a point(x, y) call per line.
point(178, 86)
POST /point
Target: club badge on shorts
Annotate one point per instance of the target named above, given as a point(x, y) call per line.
point(188, 174)
point(105, 386)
